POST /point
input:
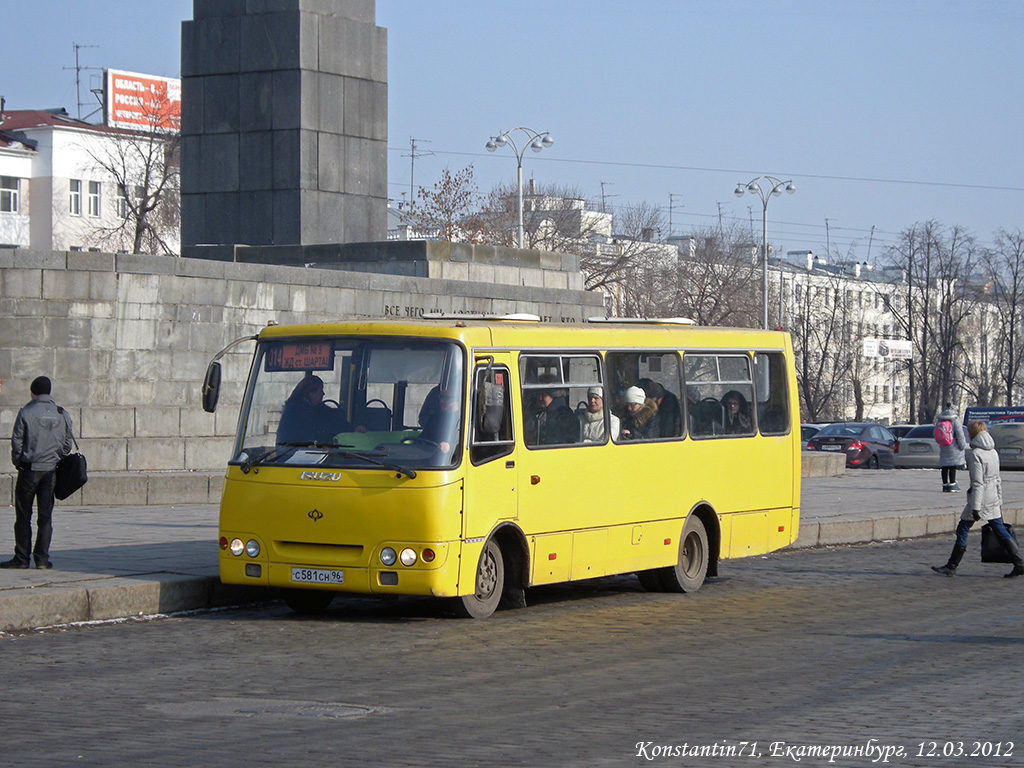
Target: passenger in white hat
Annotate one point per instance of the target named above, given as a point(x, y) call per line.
point(639, 422)
point(592, 419)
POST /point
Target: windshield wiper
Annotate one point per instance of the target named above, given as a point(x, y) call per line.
point(272, 453)
point(372, 458)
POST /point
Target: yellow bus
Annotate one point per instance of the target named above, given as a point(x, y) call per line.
point(472, 458)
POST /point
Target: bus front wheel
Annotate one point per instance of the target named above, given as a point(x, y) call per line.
point(307, 601)
point(687, 575)
point(490, 582)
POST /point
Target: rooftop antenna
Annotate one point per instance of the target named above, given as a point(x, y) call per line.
point(604, 206)
point(870, 238)
point(78, 76)
point(412, 165)
point(671, 200)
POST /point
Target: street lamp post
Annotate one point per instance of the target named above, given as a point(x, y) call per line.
point(764, 187)
point(535, 141)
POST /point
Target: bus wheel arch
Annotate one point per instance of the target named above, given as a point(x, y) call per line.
point(499, 576)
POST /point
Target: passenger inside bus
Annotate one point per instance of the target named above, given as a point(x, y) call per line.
point(669, 416)
point(307, 417)
point(592, 418)
point(550, 421)
point(439, 421)
point(640, 420)
point(737, 414)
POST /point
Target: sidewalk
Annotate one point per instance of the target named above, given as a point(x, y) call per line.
point(118, 562)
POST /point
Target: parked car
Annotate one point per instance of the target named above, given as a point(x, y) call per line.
point(917, 448)
point(807, 431)
point(1009, 440)
point(900, 430)
point(865, 445)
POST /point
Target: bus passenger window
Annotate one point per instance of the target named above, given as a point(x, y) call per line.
point(552, 386)
point(720, 395)
point(772, 393)
point(657, 377)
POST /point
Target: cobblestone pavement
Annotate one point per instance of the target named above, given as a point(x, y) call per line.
point(861, 647)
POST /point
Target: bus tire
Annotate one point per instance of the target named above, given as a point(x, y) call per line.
point(650, 580)
point(490, 582)
point(687, 575)
point(307, 601)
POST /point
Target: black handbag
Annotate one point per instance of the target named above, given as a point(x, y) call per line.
point(72, 474)
point(992, 549)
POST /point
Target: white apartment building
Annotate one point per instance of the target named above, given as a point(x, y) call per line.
point(54, 192)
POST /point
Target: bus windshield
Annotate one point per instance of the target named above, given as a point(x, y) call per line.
point(348, 402)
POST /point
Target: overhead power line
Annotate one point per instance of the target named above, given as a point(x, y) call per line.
point(669, 167)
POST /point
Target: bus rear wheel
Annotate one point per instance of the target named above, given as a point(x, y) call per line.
point(307, 601)
point(490, 582)
point(687, 575)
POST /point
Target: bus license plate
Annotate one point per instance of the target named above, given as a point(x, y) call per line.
point(315, 576)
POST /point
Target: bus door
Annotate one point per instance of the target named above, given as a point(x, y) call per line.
point(491, 488)
point(563, 467)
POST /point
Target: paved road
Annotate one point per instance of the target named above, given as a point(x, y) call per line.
point(127, 561)
point(850, 647)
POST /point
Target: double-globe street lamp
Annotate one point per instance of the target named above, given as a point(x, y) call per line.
point(535, 141)
point(764, 187)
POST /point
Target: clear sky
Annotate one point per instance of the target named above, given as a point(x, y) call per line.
point(883, 113)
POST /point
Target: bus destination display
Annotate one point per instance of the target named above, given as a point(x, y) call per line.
point(299, 356)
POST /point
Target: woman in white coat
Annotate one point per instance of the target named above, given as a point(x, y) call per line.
point(984, 501)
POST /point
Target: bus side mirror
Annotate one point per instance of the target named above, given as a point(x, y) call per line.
point(490, 407)
point(211, 387)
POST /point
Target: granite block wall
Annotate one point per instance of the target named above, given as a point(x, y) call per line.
point(127, 338)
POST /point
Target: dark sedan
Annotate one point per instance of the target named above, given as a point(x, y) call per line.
point(865, 445)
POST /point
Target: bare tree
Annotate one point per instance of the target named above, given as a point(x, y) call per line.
point(718, 279)
point(938, 300)
point(825, 359)
point(145, 170)
point(451, 207)
point(1006, 291)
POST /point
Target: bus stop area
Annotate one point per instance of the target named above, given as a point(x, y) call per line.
point(118, 562)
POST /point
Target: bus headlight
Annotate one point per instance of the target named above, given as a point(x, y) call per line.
point(408, 557)
point(388, 556)
point(252, 548)
point(237, 547)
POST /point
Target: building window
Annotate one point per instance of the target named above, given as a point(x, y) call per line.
point(94, 199)
point(10, 194)
point(75, 197)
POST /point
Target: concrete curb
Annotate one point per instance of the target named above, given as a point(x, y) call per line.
point(912, 525)
point(119, 598)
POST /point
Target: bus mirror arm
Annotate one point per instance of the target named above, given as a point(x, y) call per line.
point(211, 382)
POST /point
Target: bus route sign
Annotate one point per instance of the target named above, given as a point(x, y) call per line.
point(299, 356)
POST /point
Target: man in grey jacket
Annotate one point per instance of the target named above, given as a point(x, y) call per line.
point(42, 436)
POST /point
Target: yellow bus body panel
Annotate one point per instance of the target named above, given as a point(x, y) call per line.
point(343, 524)
point(581, 512)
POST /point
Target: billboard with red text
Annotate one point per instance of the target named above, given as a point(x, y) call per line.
point(142, 102)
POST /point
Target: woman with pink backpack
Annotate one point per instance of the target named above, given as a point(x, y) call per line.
point(952, 440)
